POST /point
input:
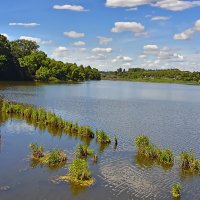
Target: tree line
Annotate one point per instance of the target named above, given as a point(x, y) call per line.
point(165, 75)
point(22, 60)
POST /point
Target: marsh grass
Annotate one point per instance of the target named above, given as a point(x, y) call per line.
point(78, 173)
point(176, 190)
point(102, 137)
point(150, 151)
point(54, 158)
point(188, 162)
point(48, 119)
point(82, 151)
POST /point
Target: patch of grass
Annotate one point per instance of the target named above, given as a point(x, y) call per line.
point(176, 190)
point(36, 150)
point(102, 137)
point(83, 151)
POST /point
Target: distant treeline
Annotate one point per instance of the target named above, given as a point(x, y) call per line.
point(158, 75)
point(22, 60)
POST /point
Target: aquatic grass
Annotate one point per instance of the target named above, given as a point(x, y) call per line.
point(176, 190)
point(36, 150)
point(188, 162)
point(102, 137)
point(41, 116)
point(149, 150)
point(82, 151)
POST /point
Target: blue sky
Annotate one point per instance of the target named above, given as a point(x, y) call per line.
point(108, 34)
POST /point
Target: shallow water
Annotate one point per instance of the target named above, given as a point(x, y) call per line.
point(168, 113)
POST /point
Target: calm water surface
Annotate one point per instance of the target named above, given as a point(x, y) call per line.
point(168, 113)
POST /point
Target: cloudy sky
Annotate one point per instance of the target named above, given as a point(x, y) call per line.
point(108, 34)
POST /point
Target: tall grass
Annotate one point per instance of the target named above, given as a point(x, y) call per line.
point(83, 151)
point(149, 150)
point(102, 137)
point(176, 190)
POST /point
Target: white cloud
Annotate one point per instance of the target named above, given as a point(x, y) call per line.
point(79, 43)
point(76, 8)
point(121, 58)
point(37, 40)
point(6, 35)
point(33, 24)
point(160, 18)
point(82, 49)
point(102, 50)
point(176, 5)
point(127, 26)
point(126, 3)
point(60, 52)
point(188, 33)
point(150, 47)
point(74, 34)
point(173, 5)
point(97, 57)
point(104, 40)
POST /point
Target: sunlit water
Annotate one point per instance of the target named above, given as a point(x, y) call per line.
point(168, 113)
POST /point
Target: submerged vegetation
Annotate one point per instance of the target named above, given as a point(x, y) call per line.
point(52, 158)
point(176, 190)
point(78, 173)
point(149, 150)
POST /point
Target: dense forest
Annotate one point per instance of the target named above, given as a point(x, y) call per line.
point(22, 60)
point(158, 75)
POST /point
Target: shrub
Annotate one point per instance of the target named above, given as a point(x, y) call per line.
point(85, 131)
point(56, 156)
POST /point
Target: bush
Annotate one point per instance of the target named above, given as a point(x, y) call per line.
point(83, 151)
point(56, 156)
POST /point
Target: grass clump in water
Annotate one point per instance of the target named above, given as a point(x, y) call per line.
point(189, 162)
point(102, 137)
point(78, 173)
point(149, 150)
point(83, 151)
point(36, 150)
point(176, 190)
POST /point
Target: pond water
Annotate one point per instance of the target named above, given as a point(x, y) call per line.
point(168, 113)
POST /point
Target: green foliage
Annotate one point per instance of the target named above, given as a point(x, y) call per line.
point(85, 131)
point(176, 190)
point(36, 150)
point(22, 60)
point(83, 151)
point(102, 137)
point(79, 170)
point(158, 75)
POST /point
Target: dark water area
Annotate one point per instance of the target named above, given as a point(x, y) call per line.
point(168, 113)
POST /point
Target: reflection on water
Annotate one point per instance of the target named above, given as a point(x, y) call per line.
point(169, 114)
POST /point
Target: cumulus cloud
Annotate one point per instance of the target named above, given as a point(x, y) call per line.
point(76, 8)
point(79, 43)
point(60, 51)
point(102, 50)
point(74, 34)
point(127, 26)
point(37, 40)
point(150, 47)
point(97, 57)
point(104, 40)
point(32, 24)
point(6, 35)
point(160, 18)
point(173, 5)
point(188, 33)
point(124, 59)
